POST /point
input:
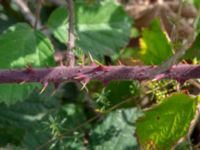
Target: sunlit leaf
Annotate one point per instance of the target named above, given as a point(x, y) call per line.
point(163, 125)
point(155, 47)
point(194, 51)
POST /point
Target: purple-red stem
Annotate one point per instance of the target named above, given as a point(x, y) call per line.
point(106, 74)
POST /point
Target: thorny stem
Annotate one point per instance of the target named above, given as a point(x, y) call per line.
point(56, 75)
point(71, 38)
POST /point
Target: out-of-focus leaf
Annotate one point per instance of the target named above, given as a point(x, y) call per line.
point(74, 114)
point(5, 19)
point(13, 147)
point(24, 119)
point(120, 91)
point(163, 125)
point(11, 135)
point(197, 25)
point(74, 117)
point(22, 46)
point(185, 145)
point(155, 47)
point(116, 132)
point(68, 92)
point(101, 28)
point(194, 51)
point(196, 3)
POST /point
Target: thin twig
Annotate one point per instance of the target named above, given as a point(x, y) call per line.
point(26, 11)
point(71, 37)
point(57, 2)
point(37, 23)
point(194, 83)
point(176, 25)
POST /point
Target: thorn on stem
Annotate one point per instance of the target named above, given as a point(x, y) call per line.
point(92, 60)
point(83, 79)
point(21, 83)
point(83, 61)
point(45, 85)
point(29, 69)
point(81, 76)
point(84, 83)
point(159, 77)
point(120, 63)
point(53, 93)
point(101, 68)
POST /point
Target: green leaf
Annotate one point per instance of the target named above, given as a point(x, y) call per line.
point(197, 24)
point(69, 117)
point(101, 28)
point(116, 131)
point(74, 114)
point(22, 122)
point(185, 145)
point(120, 91)
point(195, 3)
point(22, 46)
point(25, 114)
point(155, 47)
point(194, 51)
point(163, 125)
point(11, 135)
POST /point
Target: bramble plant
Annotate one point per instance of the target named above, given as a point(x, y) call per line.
point(99, 74)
